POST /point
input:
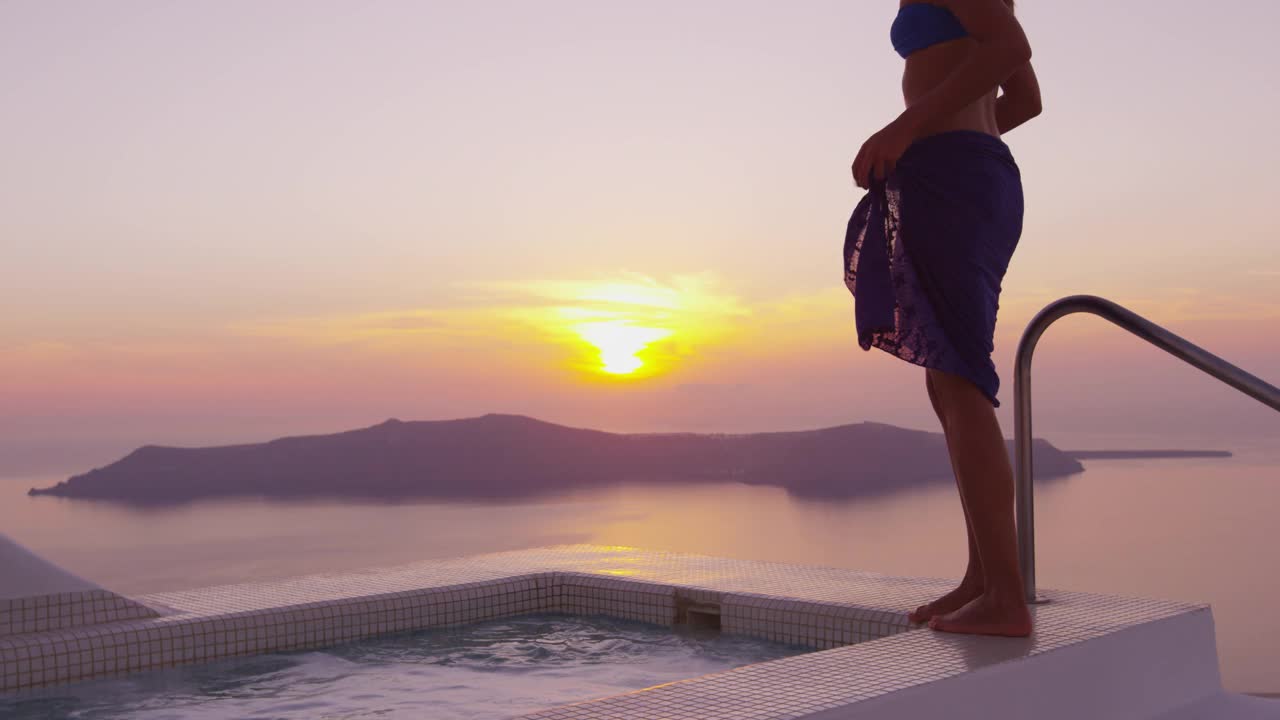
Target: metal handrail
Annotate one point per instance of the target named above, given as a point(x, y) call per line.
point(1184, 350)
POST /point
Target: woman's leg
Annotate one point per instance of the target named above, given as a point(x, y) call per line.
point(985, 478)
point(971, 585)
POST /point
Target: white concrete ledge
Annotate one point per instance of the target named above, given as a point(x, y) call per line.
point(38, 596)
point(24, 574)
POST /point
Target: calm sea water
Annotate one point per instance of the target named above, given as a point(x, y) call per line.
point(1194, 530)
point(490, 670)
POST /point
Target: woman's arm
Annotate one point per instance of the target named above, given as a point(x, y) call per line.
point(1020, 101)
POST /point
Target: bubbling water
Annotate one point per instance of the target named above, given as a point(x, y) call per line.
point(498, 669)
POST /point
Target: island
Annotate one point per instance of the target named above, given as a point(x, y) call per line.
point(505, 456)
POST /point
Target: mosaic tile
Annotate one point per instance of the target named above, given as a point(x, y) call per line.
point(66, 610)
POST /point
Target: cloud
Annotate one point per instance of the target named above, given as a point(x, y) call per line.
point(633, 293)
point(650, 322)
point(709, 388)
point(409, 321)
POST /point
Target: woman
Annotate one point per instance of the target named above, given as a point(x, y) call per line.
point(925, 254)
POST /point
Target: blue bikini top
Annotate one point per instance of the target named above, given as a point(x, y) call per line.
point(920, 25)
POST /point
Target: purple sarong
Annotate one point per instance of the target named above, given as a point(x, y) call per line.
point(926, 250)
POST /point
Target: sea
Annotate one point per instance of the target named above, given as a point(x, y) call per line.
point(1190, 529)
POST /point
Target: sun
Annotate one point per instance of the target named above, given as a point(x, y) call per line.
point(620, 343)
point(635, 328)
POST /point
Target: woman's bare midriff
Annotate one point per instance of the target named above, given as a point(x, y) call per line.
point(927, 68)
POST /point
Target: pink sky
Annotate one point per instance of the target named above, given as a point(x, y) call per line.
point(230, 221)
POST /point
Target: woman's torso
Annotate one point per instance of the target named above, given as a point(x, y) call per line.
point(928, 67)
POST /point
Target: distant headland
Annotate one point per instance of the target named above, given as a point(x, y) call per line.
point(505, 456)
point(1146, 454)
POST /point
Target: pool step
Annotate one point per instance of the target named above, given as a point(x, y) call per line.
point(701, 615)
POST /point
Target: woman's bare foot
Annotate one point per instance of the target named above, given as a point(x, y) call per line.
point(950, 602)
point(987, 614)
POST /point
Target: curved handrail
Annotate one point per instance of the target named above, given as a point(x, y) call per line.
point(1184, 350)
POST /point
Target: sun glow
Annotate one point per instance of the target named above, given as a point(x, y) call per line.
point(620, 343)
point(625, 329)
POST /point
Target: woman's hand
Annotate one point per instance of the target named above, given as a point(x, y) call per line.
point(880, 153)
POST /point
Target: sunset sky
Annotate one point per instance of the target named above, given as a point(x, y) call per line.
point(227, 221)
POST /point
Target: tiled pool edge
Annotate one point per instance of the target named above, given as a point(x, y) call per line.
point(36, 660)
point(58, 611)
point(824, 608)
